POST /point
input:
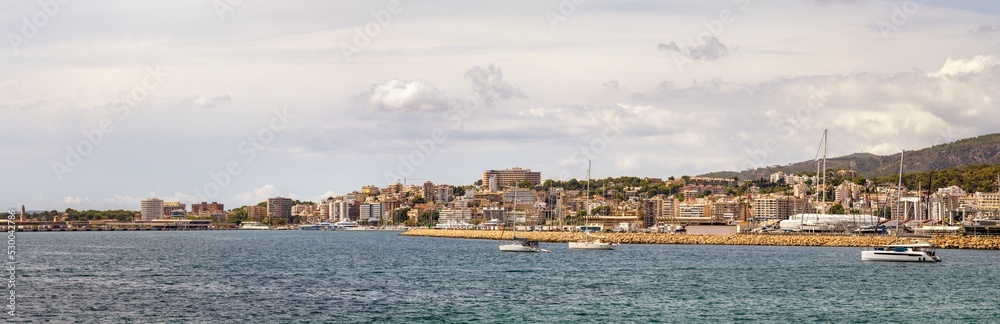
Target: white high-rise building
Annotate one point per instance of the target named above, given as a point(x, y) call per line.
point(151, 208)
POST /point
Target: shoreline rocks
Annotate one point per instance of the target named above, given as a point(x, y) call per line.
point(939, 241)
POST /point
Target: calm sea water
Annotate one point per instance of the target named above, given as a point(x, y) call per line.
point(360, 276)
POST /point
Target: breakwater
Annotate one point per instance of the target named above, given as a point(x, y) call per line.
point(943, 241)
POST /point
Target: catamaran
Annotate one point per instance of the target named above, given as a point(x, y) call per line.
point(919, 252)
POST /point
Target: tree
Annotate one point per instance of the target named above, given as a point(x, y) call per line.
point(837, 209)
point(601, 210)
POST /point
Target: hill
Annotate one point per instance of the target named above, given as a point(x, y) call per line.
point(977, 150)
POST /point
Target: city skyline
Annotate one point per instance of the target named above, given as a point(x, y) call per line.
point(197, 101)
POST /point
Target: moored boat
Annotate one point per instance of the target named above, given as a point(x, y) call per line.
point(253, 226)
point(592, 244)
point(520, 244)
point(919, 252)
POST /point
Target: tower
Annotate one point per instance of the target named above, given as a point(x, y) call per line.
point(22, 213)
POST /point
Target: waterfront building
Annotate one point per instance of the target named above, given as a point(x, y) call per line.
point(206, 209)
point(371, 212)
point(727, 210)
point(455, 216)
point(151, 208)
point(169, 207)
point(279, 207)
point(256, 213)
point(493, 213)
point(987, 200)
point(693, 210)
point(778, 207)
point(513, 176)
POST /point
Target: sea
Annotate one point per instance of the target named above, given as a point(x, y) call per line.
point(382, 277)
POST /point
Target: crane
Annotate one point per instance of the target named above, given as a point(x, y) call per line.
point(405, 178)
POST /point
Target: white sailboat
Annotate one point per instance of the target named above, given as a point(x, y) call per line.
point(588, 243)
point(814, 225)
point(920, 252)
point(520, 244)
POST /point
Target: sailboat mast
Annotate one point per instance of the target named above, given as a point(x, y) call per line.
point(588, 194)
point(824, 167)
point(899, 194)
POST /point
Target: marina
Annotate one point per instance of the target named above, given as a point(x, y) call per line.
point(234, 276)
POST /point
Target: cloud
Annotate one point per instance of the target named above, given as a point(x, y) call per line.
point(322, 197)
point(403, 95)
point(259, 195)
point(613, 84)
point(959, 67)
point(70, 200)
point(984, 29)
point(488, 85)
point(205, 102)
point(711, 50)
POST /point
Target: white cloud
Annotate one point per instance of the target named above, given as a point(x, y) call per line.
point(403, 95)
point(322, 197)
point(960, 67)
point(205, 101)
point(260, 194)
point(70, 200)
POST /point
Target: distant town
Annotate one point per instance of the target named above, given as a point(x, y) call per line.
point(519, 196)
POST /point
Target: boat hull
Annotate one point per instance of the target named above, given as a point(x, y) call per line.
point(591, 246)
point(894, 256)
point(517, 248)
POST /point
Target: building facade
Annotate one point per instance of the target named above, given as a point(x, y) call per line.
point(151, 208)
point(205, 208)
point(513, 176)
point(279, 207)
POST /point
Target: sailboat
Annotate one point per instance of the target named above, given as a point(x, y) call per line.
point(591, 242)
point(520, 244)
point(919, 252)
point(815, 225)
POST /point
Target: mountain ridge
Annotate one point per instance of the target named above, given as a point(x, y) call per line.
point(974, 150)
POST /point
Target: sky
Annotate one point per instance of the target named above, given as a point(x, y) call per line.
point(105, 103)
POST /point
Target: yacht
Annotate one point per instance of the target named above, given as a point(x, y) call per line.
point(253, 226)
point(347, 225)
point(919, 252)
point(520, 244)
point(310, 227)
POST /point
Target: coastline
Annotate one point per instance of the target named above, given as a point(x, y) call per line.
point(939, 241)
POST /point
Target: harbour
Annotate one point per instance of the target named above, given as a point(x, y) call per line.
point(285, 276)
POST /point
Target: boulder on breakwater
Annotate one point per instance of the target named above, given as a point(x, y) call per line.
point(798, 239)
